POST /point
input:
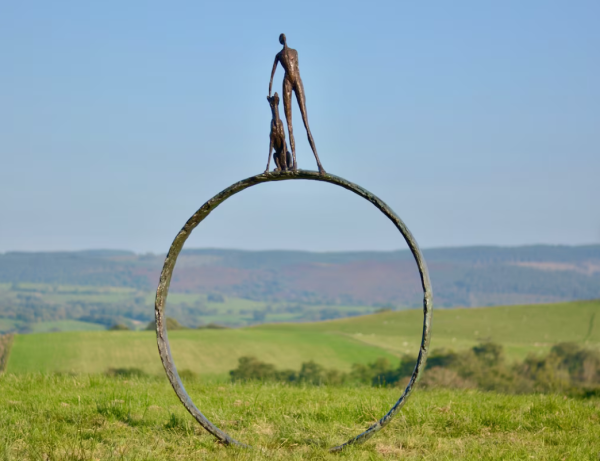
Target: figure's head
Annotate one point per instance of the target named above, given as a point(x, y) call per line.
point(282, 39)
point(274, 100)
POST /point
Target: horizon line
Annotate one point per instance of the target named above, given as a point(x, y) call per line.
point(280, 250)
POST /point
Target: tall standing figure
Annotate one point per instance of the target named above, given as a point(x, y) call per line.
point(288, 58)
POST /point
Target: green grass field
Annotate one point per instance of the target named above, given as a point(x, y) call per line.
point(209, 352)
point(520, 329)
point(65, 325)
point(87, 415)
point(49, 417)
point(333, 344)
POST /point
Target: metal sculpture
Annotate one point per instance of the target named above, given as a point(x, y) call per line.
point(203, 212)
point(282, 156)
point(288, 58)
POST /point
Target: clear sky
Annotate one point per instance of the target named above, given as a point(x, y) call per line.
point(478, 122)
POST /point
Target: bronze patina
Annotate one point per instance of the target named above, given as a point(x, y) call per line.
point(177, 245)
point(288, 58)
point(282, 157)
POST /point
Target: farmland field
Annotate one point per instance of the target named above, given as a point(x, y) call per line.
point(334, 344)
point(39, 307)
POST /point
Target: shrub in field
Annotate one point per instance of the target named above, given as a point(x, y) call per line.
point(439, 377)
point(131, 372)
point(187, 375)
point(376, 373)
point(172, 324)
point(568, 368)
point(252, 369)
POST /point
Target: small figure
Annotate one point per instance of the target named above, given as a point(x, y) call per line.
point(282, 156)
point(288, 58)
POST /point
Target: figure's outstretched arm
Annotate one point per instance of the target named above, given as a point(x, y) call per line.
point(273, 74)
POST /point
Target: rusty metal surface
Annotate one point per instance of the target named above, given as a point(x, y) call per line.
point(203, 212)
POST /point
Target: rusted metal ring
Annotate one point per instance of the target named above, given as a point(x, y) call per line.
point(167, 272)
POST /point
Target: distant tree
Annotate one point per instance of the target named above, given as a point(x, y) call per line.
point(172, 324)
point(213, 326)
point(119, 327)
point(25, 329)
point(215, 298)
point(329, 313)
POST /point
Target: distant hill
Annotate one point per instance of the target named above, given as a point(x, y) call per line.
point(468, 276)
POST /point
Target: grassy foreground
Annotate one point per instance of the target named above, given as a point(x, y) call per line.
point(54, 417)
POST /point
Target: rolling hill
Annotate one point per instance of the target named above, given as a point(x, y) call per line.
point(334, 344)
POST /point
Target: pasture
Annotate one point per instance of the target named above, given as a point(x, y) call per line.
point(333, 344)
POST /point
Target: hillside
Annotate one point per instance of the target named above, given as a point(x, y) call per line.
point(46, 291)
point(335, 344)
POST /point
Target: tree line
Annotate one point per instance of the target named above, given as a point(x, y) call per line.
point(568, 369)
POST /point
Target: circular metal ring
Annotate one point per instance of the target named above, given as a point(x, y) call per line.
point(167, 271)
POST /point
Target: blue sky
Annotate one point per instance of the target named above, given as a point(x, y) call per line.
point(478, 122)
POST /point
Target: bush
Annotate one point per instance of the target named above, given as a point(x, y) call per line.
point(213, 326)
point(250, 368)
point(172, 324)
point(187, 375)
point(439, 377)
point(568, 368)
point(131, 372)
point(119, 327)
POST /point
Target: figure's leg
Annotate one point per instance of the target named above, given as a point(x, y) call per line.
point(286, 156)
point(299, 89)
point(277, 160)
point(287, 107)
